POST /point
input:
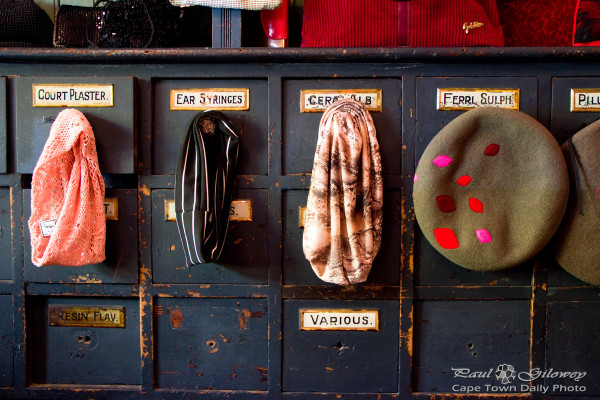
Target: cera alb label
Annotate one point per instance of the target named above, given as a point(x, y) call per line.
point(317, 100)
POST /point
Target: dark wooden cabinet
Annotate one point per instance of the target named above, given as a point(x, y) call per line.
point(236, 328)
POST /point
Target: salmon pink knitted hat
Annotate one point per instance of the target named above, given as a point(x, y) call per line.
point(67, 224)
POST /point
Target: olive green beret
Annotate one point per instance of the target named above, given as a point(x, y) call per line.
point(576, 245)
point(490, 189)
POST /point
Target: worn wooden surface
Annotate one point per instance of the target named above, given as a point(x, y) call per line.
point(83, 355)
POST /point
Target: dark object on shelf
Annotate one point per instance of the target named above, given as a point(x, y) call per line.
point(24, 24)
point(135, 23)
point(85, 26)
point(587, 23)
point(527, 23)
point(194, 28)
point(71, 27)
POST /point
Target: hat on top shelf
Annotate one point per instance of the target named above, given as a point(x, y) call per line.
point(24, 24)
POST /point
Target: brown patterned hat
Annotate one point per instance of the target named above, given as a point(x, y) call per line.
point(491, 189)
point(342, 228)
point(575, 246)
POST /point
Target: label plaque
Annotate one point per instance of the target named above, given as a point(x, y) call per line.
point(452, 99)
point(210, 99)
point(99, 317)
point(317, 100)
point(72, 95)
point(586, 100)
point(111, 208)
point(339, 320)
point(241, 210)
point(170, 210)
point(301, 216)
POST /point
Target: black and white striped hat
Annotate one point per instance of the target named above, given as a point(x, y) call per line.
point(203, 186)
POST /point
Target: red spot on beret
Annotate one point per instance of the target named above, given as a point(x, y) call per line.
point(464, 180)
point(446, 238)
point(492, 149)
point(445, 203)
point(475, 205)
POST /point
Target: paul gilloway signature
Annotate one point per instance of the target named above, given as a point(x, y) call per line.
point(524, 376)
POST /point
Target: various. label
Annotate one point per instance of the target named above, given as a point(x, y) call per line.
point(210, 99)
point(317, 100)
point(335, 320)
point(72, 95)
point(466, 99)
point(101, 317)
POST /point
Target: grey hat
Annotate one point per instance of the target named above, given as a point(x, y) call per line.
point(576, 244)
point(490, 189)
